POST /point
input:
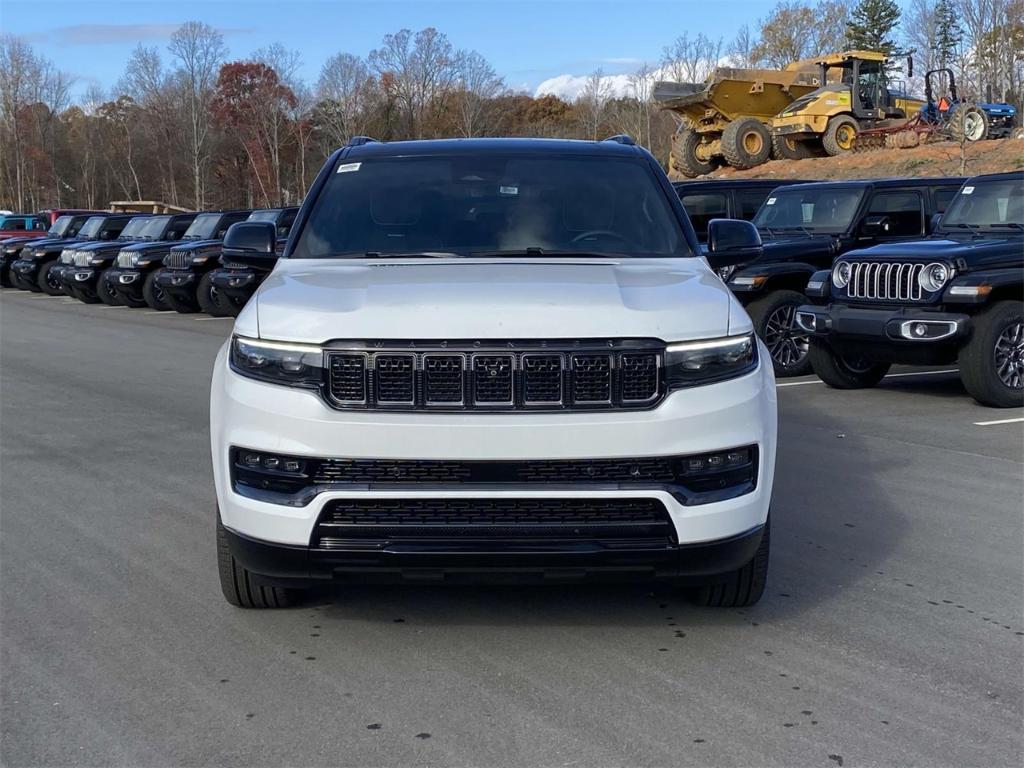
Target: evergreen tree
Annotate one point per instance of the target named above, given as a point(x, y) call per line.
point(948, 33)
point(871, 27)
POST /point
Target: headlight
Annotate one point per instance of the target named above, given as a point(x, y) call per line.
point(841, 274)
point(692, 363)
point(293, 365)
point(726, 272)
point(67, 256)
point(933, 277)
point(127, 259)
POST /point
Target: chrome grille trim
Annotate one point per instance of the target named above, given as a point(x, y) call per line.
point(178, 259)
point(884, 281)
point(494, 376)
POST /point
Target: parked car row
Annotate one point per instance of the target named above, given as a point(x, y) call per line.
point(175, 261)
point(165, 261)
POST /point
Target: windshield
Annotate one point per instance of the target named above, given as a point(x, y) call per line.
point(996, 203)
point(92, 227)
point(60, 226)
point(270, 215)
point(154, 228)
point(134, 228)
point(497, 204)
point(202, 227)
point(829, 209)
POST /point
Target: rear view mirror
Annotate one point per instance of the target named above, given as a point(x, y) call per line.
point(732, 242)
point(874, 226)
point(252, 243)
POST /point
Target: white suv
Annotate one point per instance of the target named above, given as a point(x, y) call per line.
point(499, 359)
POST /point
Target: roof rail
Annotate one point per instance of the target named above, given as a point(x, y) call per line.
point(621, 138)
point(358, 141)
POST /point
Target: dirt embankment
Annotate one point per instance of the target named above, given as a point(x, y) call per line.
point(938, 159)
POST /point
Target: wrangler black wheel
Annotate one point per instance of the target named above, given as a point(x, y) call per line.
point(774, 319)
point(155, 296)
point(992, 362)
point(844, 371)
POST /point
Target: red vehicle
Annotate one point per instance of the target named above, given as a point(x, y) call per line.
point(22, 224)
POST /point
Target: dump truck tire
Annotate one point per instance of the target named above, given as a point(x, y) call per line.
point(684, 155)
point(840, 134)
point(746, 142)
point(790, 149)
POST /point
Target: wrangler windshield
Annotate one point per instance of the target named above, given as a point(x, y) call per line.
point(492, 204)
point(60, 226)
point(996, 203)
point(202, 227)
point(134, 228)
point(91, 228)
point(814, 210)
point(154, 228)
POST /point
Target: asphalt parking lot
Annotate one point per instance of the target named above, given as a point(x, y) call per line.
point(891, 632)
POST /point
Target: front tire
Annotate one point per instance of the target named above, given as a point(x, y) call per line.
point(210, 299)
point(687, 155)
point(784, 148)
point(241, 587)
point(49, 283)
point(992, 362)
point(774, 318)
point(742, 587)
point(154, 295)
point(180, 305)
point(841, 372)
point(840, 135)
point(105, 291)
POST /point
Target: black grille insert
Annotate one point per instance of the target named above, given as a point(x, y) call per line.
point(492, 379)
point(639, 376)
point(542, 379)
point(348, 378)
point(490, 518)
point(592, 378)
point(396, 378)
point(443, 381)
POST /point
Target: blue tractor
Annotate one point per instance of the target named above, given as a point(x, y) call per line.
point(976, 121)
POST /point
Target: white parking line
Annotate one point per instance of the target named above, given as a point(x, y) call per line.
point(889, 376)
point(998, 421)
point(201, 319)
point(154, 312)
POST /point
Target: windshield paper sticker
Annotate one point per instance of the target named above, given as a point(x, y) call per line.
point(348, 167)
point(770, 201)
point(508, 190)
point(967, 191)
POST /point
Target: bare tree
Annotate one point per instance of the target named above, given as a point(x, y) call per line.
point(199, 50)
point(794, 31)
point(277, 113)
point(478, 85)
point(342, 92)
point(592, 103)
point(743, 47)
point(688, 60)
point(641, 83)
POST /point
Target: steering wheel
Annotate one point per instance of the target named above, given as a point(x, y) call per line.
point(598, 233)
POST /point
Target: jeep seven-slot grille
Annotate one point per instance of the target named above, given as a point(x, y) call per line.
point(884, 281)
point(346, 520)
point(528, 379)
point(178, 259)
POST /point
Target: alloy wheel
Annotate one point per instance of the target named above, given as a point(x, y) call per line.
point(1009, 355)
point(786, 342)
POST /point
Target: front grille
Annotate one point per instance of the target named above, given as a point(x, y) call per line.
point(345, 520)
point(884, 281)
point(178, 259)
point(470, 377)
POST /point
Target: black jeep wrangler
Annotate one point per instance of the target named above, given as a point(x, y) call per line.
point(133, 276)
point(233, 284)
point(84, 266)
point(725, 199)
point(185, 278)
point(64, 228)
point(804, 228)
point(954, 297)
point(39, 268)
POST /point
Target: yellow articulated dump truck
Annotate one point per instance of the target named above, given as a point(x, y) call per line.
point(855, 96)
point(725, 119)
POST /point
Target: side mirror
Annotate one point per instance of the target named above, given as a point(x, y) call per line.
point(732, 242)
point(933, 223)
point(252, 243)
point(910, 66)
point(873, 226)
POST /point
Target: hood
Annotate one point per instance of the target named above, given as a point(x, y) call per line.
point(53, 244)
point(146, 246)
point(317, 300)
point(966, 254)
point(198, 245)
point(93, 246)
point(797, 248)
point(28, 241)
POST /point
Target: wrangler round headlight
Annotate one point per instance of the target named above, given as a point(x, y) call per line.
point(841, 274)
point(293, 365)
point(933, 277)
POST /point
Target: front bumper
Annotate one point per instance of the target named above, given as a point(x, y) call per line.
point(236, 283)
point(178, 282)
point(25, 272)
point(715, 417)
point(896, 326)
point(127, 282)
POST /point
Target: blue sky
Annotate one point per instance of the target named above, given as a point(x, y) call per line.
point(527, 42)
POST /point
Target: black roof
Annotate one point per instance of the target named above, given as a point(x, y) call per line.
point(1007, 176)
point(487, 146)
point(689, 186)
point(890, 183)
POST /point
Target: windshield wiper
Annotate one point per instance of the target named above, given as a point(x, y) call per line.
point(400, 255)
point(965, 225)
point(538, 251)
point(1006, 225)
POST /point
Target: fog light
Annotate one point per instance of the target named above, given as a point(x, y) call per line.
point(271, 462)
point(252, 459)
point(292, 466)
point(695, 465)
